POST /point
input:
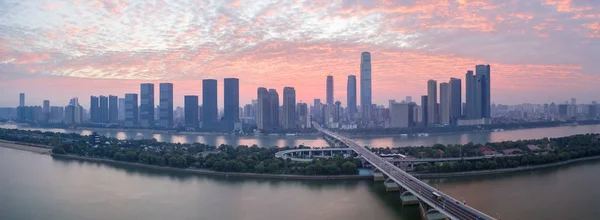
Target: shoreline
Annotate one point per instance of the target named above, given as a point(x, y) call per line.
point(352, 135)
point(215, 173)
point(39, 149)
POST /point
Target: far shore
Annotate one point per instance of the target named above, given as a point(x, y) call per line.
point(47, 150)
point(25, 147)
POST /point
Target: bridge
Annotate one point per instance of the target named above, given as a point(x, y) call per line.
point(438, 201)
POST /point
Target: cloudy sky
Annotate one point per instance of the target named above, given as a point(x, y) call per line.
point(539, 50)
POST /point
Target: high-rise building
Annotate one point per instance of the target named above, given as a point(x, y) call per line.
point(302, 114)
point(103, 109)
point(444, 103)
point(73, 112)
point(131, 110)
point(424, 110)
point(21, 99)
point(231, 102)
point(210, 111)
point(113, 109)
point(95, 109)
point(408, 99)
point(166, 105)
point(191, 111)
point(329, 89)
point(400, 115)
point(121, 109)
point(365, 84)
point(46, 110)
point(57, 114)
point(274, 108)
point(483, 79)
point(431, 102)
point(351, 96)
point(263, 109)
point(470, 95)
point(455, 100)
point(318, 110)
point(289, 108)
point(147, 105)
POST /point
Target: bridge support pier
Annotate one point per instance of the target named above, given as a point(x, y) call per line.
point(430, 213)
point(378, 176)
point(408, 198)
point(391, 186)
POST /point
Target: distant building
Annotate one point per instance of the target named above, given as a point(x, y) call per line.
point(113, 109)
point(444, 103)
point(231, 102)
point(365, 84)
point(46, 110)
point(431, 102)
point(95, 114)
point(131, 110)
point(147, 105)
point(455, 100)
point(121, 109)
point(73, 112)
point(191, 111)
point(424, 110)
point(329, 89)
point(263, 110)
point(21, 99)
point(351, 96)
point(303, 116)
point(289, 108)
point(166, 105)
point(274, 106)
point(210, 112)
point(103, 109)
point(400, 115)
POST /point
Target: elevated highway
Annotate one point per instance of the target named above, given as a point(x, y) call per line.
point(441, 202)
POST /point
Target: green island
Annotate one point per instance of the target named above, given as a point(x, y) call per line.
point(254, 159)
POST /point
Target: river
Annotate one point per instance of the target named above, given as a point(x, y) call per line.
point(35, 186)
point(316, 141)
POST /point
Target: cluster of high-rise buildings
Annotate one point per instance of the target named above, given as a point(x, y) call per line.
point(442, 105)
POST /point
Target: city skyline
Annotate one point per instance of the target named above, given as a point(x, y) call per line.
point(77, 50)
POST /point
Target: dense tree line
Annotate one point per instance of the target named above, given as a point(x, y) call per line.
point(224, 158)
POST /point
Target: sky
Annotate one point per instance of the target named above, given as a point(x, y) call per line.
point(539, 50)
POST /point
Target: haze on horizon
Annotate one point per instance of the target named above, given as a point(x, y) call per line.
point(539, 50)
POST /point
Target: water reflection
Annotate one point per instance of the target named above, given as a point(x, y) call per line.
point(317, 141)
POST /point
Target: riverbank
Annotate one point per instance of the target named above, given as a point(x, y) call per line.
point(47, 150)
point(501, 171)
point(215, 173)
point(25, 147)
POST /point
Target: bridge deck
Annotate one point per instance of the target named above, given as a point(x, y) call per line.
point(444, 203)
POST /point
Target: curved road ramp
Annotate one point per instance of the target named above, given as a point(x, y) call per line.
point(432, 200)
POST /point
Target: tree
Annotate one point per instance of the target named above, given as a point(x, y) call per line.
point(349, 167)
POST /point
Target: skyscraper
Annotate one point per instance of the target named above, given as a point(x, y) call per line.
point(302, 115)
point(444, 103)
point(231, 102)
point(318, 110)
point(210, 112)
point(329, 89)
point(146, 104)
point(113, 109)
point(131, 110)
point(95, 116)
point(365, 84)
point(73, 112)
point(424, 110)
point(431, 102)
point(274, 108)
point(399, 114)
point(121, 109)
point(21, 99)
point(483, 76)
point(46, 110)
point(289, 108)
point(351, 95)
point(455, 100)
point(191, 111)
point(103, 109)
point(470, 94)
point(166, 105)
point(408, 99)
point(263, 107)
